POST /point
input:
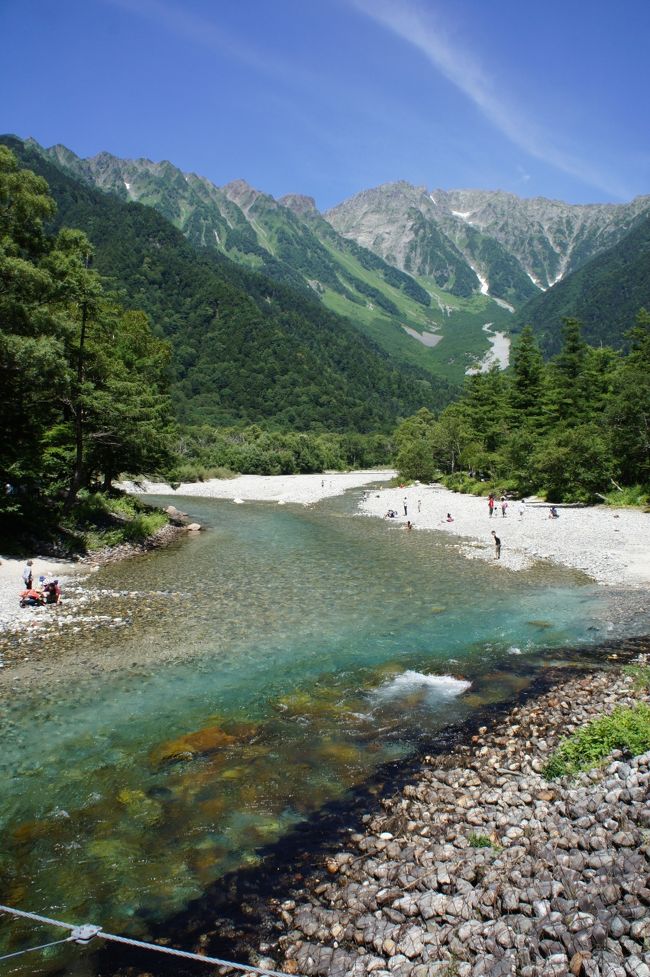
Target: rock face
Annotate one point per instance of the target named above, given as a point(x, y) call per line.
point(516, 246)
point(482, 867)
point(301, 205)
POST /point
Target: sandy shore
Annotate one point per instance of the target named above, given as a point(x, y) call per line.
point(608, 544)
point(305, 489)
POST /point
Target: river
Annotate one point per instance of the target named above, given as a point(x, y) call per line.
point(274, 662)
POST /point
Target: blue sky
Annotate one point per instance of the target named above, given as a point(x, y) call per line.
point(329, 97)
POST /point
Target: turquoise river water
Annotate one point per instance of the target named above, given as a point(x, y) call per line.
point(273, 662)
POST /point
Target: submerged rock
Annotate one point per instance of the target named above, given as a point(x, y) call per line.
point(203, 741)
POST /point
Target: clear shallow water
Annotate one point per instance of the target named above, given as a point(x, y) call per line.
point(304, 648)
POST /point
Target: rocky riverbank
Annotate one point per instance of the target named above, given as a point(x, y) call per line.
point(483, 867)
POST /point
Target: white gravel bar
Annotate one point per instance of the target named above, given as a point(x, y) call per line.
point(608, 544)
point(305, 489)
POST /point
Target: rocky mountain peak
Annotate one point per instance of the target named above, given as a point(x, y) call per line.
point(242, 193)
point(300, 204)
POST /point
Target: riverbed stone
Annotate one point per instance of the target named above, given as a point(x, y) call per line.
point(561, 889)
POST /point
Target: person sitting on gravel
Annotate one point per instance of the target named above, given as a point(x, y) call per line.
point(52, 592)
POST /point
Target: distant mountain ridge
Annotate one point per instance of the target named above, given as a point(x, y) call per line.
point(421, 232)
point(605, 294)
point(540, 240)
point(291, 242)
point(421, 272)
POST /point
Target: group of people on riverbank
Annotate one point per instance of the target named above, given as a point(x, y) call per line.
point(42, 592)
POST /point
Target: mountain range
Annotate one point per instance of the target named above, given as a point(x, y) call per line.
point(420, 272)
point(245, 349)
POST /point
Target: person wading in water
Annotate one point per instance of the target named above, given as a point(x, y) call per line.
point(497, 545)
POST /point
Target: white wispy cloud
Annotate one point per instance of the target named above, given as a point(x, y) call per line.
point(426, 30)
point(202, 31)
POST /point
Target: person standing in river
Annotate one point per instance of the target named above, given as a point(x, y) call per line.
point(406, 511)
point(497, 546)
point(491, 504)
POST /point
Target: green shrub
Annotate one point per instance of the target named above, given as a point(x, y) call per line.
point(624, 729)
point(633, 495)
point(143, 526)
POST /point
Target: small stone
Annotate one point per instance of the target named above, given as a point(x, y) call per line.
point(635, 967)
point(557, 963)
point(576, 963)
point(617, 928)
point(640, 930)
point(624, 839)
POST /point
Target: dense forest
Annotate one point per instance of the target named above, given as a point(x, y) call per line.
point(575, 428)
point(84, 391)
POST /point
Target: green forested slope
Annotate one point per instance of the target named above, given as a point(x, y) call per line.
point(244, 348)
point(288, 241)
point(605, 295)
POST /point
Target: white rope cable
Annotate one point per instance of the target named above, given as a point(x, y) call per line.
point(31, 949)
point(84, 934)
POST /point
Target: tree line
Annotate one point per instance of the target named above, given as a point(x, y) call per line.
point(574, 428)
point(83, 381)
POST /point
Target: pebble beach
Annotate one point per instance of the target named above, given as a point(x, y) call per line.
point(483, 866)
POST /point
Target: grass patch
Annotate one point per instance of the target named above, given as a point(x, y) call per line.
point(624, 729)
point(109, 520)
point(641, 676)
point(479, 841)
point(189, 472)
